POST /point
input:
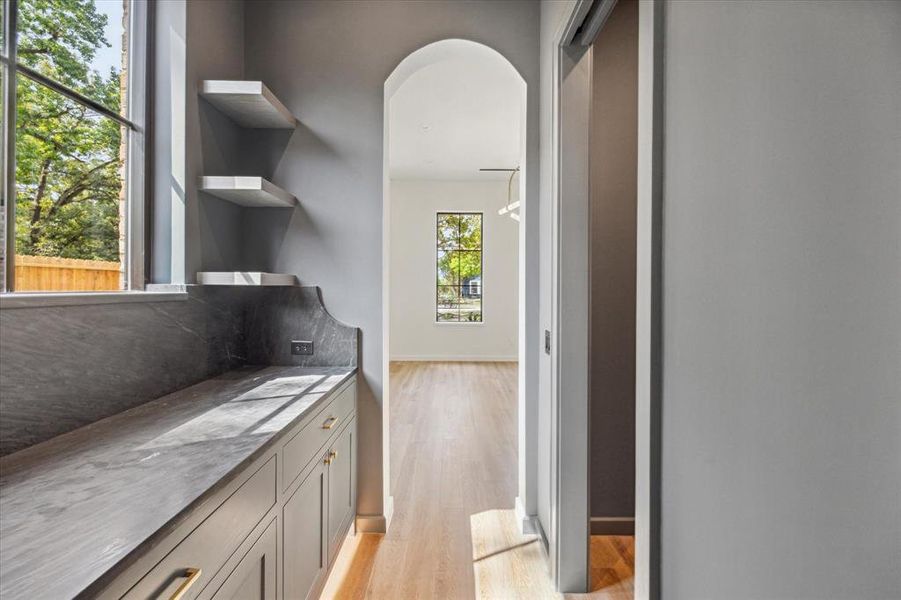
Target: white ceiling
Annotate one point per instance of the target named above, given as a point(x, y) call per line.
point(459, 112)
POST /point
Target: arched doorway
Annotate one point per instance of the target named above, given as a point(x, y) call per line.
point(455, 136)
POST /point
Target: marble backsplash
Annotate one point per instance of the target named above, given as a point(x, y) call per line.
point(67, 366)
point(271, 323)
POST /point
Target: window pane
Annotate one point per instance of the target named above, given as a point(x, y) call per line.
point(79, 43)
point(448, 303)
point(470, 265)
point(448, 296)
point(69, 194)
point(471, 231)
point(448, 230)
point(448, 267)
point(448, 315)
point(471, 310)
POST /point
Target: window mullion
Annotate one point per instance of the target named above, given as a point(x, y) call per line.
point(9, 146)
point(73, 95)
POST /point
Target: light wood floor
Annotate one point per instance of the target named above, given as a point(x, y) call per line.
point(453, 471)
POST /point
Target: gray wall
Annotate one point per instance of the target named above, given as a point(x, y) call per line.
point(213, 141)
point(328, 61)
point(613, 183)
point(782, 287)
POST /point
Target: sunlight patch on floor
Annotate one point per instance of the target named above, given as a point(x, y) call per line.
point(506, 563)
point(509, 565)
point(349, 578)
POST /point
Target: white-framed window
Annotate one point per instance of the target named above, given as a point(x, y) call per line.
point(458, 287)
point(73, 126)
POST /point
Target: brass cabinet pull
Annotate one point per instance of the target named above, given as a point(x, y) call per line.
point(330, 457)
point(192, 575)
point(330, 422)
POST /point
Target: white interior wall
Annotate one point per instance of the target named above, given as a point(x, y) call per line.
point(414, 334)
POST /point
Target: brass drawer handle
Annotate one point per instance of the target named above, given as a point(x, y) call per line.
point(330, 422)
point(192, 575)
point(330, 457)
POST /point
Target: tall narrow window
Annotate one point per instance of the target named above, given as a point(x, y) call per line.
point(70, 137)
point(459, 255)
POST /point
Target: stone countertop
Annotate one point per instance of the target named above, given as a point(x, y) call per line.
point(78, 509)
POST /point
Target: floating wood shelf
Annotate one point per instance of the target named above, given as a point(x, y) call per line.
point(247, 191)
point(248, 103)
point(244, 278)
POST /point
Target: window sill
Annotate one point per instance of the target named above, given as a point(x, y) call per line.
point(169, 293)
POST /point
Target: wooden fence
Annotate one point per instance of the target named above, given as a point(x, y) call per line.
point(52, 274)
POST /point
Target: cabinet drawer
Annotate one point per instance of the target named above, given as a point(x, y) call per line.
point(306, 444)
point(209, 546)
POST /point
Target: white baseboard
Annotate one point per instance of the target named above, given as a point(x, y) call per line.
point(372, 524)
point(389, 512)
point(528, 524)
point(376, 523)
point(454, 358)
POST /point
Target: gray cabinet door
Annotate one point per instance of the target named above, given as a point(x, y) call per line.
point(341, 486)
point(304, 557)
point(254, 577)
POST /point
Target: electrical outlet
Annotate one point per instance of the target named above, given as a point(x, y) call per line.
point(302, 348)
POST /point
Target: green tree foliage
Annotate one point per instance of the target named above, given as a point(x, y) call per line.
point(67, 157)
point(460, 245)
